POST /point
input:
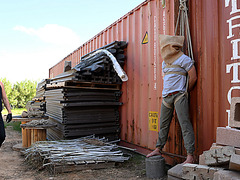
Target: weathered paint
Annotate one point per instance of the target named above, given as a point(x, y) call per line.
point(142, 92)
point(216, 54)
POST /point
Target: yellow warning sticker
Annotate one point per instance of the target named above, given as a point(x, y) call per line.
point(145, 38)
point(153, 121)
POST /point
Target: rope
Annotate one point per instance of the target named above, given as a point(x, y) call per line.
point(182, 22)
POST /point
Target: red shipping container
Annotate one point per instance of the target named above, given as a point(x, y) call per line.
point(215, 36)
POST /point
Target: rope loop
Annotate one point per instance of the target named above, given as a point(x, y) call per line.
point(183, 24)
point(183, 1)
point(183, 5)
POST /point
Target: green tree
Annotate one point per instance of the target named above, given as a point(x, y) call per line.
point(24, 91)
point(19, 93)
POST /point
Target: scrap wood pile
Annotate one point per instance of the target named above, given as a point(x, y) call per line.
point(70, 155)
point(85, 99)
point(40, 89)
point(42, 123)
point(37, 106)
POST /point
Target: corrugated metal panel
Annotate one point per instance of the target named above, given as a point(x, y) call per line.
point(213, 52)
point(142, 92)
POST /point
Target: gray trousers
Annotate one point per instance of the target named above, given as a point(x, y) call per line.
point(182, 111)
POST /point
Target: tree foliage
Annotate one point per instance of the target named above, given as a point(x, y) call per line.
point(19, 93)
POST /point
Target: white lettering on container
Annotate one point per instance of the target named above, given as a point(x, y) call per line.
point(231, 26)
point(235, 49)
point(234, 6)
point(235, 71)
point(233, 22)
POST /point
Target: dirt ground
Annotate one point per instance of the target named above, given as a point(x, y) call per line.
point(12, 166)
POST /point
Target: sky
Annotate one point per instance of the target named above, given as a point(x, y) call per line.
point(37, 34)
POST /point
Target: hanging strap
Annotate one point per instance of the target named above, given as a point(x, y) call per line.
point(175, 72)
point(169, 106)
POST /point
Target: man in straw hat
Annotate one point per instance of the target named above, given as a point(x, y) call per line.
point(179, 76)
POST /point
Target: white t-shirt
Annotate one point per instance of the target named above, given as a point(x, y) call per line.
point(176, 82)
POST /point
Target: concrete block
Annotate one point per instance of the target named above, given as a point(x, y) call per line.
point(155, 167)
point(169, 177)
point(235, 112)
point(226, 175)
point(212, 170)
point(216, 146)
point(235, 162)
point(237, 151)
point(176, 171)
point(228, 136)
point(198, 172)
point(202, 159)
point(218, 156)
point(189, 171)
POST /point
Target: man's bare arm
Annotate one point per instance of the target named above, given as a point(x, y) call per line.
point(5, 99)
point(192, 78)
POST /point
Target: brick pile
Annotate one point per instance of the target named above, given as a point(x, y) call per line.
point(222, 160)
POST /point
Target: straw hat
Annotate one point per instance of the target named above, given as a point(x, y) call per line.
point(171, 47)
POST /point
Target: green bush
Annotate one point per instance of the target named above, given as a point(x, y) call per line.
point(19, 93)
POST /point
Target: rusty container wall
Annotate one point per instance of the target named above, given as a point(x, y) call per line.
point(142, 92)
point(214, 48)
point(213, 52)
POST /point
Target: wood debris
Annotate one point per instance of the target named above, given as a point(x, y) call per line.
point(69, 155)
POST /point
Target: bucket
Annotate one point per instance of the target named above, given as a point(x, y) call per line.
point(155, 167)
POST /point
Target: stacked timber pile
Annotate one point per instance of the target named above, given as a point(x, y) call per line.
point(85, 99)
point(95, 67)
point(40, 89)
point(81, 112)
point(37, 106)
point(72, 155)
point(222, 160)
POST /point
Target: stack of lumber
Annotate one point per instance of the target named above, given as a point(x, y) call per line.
point(71, 155)
point(95, 67)
point(85, 100)
point(37, 106)
point(40, 89)
point(81, 112)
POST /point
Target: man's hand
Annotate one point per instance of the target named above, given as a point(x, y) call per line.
point(9, 118)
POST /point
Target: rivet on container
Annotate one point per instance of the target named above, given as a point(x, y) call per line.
point(155, 167)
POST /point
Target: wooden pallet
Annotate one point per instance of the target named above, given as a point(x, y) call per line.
point(79, 166)
point(85, 85)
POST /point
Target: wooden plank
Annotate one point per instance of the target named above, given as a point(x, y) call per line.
point(24, 136)
point(28, 137)
point(80, 167)
point(19, 118)
point(85, 85)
